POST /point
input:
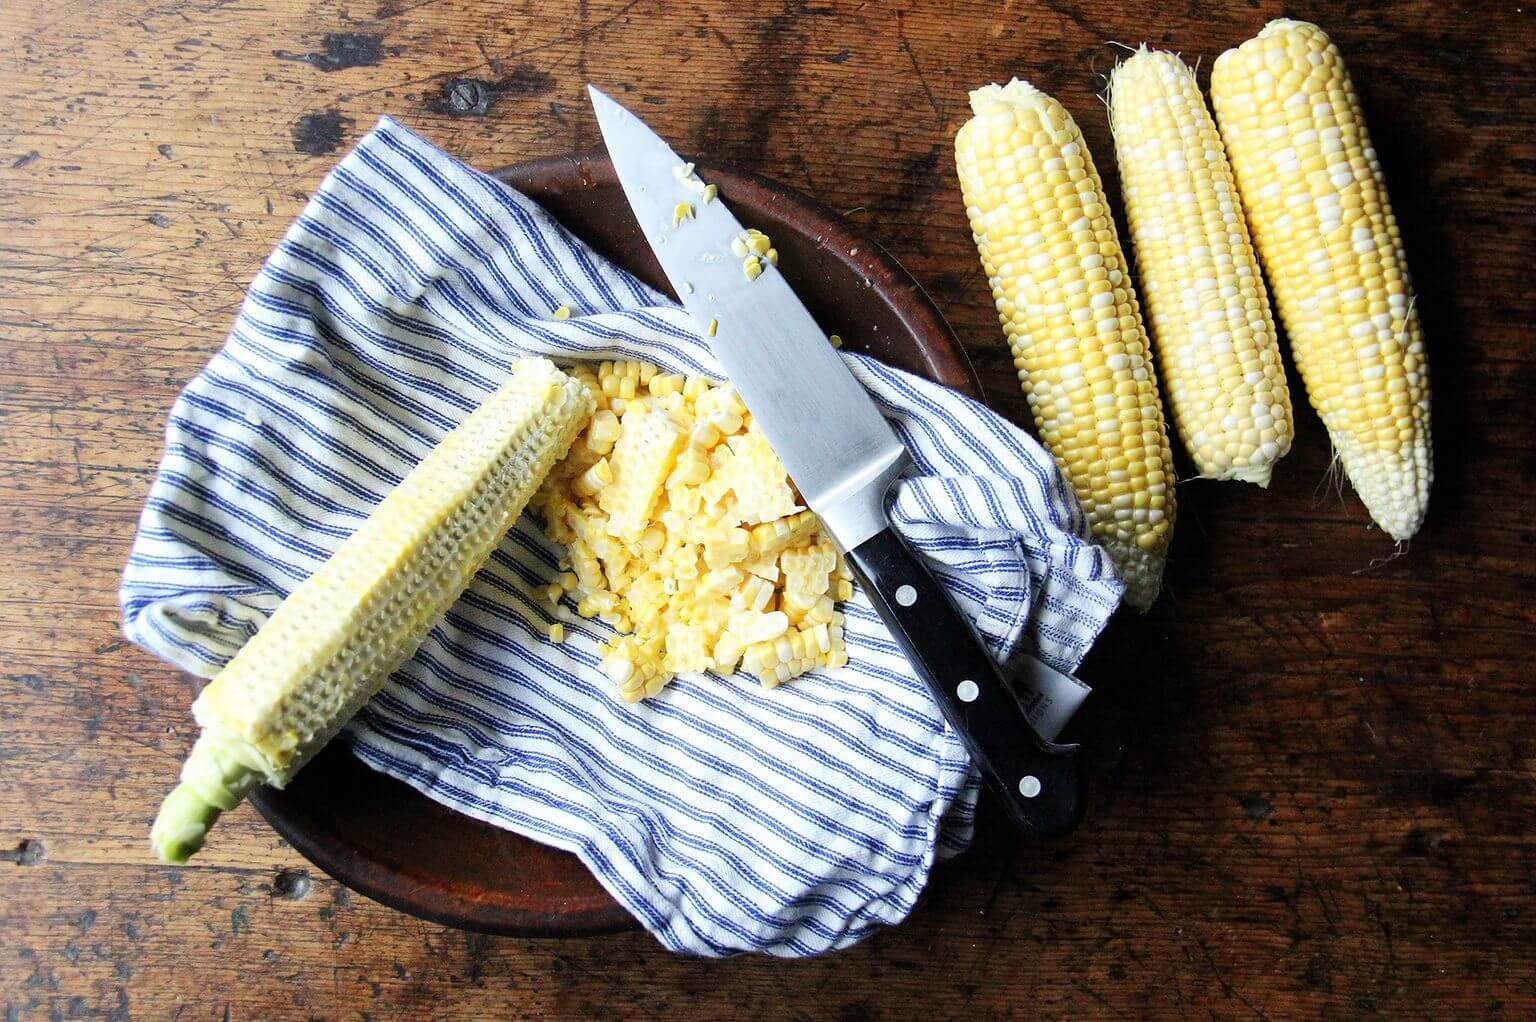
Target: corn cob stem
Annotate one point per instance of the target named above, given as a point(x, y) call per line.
point(1048, 246)
point(335, 639)
point(214, 781)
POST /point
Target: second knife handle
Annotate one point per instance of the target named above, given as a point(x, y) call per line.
point(1040, 784)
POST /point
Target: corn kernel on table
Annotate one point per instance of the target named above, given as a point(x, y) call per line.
point(1313, 765)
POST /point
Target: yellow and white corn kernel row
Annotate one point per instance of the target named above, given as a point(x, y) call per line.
point(682, 531)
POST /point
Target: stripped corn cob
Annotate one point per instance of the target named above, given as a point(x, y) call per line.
point(335, 639)
point(797, 651)
point(1207, 311)
point(1048, 246)
point(1322, 224)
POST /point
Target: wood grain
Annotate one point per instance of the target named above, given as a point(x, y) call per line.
point(1315, 768)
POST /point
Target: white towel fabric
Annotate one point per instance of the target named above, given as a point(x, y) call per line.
point(723, 816)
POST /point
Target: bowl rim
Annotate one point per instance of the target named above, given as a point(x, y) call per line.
point(386, 883)
point(946, 362)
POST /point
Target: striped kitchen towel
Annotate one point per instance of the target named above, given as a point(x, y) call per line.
point(725, 817)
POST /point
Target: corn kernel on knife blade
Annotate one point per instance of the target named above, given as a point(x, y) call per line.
point(843, 457)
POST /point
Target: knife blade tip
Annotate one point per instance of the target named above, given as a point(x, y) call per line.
point(600, 100)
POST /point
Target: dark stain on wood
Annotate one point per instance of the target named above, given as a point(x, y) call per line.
point(321, 132)
point(342, 50)
point(1256, 807)
point(917, 178)
point(476, 947)
point(769, 71)
point(857, 1011)
point(1318, 973)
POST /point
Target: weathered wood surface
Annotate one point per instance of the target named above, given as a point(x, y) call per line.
point(1315, 772)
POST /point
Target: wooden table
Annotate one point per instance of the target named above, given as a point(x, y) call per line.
point(1314, 765)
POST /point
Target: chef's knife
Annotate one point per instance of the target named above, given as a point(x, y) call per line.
point(843, 458)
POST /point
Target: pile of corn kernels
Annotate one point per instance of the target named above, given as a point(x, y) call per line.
point(683, 531)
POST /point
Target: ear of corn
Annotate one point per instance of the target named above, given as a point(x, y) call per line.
point(335, 639)
point(1048, 245)
point(1207, 310)
point(1322, 224)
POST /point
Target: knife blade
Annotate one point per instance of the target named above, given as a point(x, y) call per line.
point(843, 457)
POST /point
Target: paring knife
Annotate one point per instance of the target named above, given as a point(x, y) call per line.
point(843, 458)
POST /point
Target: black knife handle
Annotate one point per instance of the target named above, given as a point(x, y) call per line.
point(1039, 783)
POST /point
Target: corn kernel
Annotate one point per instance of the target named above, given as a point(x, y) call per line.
point(593, 479)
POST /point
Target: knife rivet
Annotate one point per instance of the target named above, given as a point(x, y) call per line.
point(967, 690)
point(1029, 787)
point(906, 595)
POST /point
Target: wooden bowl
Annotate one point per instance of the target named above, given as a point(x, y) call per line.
point(383, 838)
